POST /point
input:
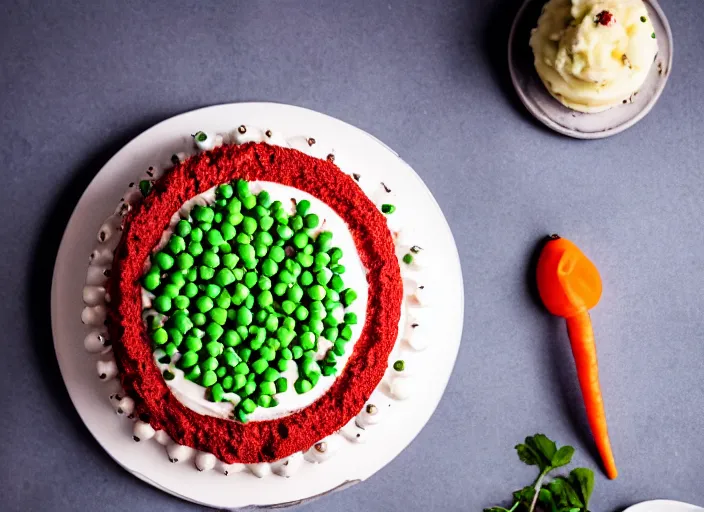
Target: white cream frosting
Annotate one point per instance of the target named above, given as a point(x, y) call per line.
point(397, 385)
point(590, 65)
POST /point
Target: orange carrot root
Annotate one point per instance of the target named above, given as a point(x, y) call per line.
point(581, 335)
point(569, 285)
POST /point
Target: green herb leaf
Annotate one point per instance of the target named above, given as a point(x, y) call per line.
point(583, 480)
point(545, 445)
point(562, 457)
point(562, 494)
point(525, 495)
point(528, 455)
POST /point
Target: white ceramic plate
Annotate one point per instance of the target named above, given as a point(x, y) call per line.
point(552, 113)
point(355, 151)
point(663, 506)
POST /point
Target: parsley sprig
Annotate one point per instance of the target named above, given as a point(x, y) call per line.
point(569, 493)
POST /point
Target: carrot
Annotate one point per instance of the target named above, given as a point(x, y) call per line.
point(569, 286)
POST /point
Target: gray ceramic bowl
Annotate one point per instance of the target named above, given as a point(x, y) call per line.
point(569, 122)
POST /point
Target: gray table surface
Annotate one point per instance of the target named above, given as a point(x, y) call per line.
point(79, 80)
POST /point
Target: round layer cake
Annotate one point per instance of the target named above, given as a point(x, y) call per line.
point(260, 441)
point(252, 298)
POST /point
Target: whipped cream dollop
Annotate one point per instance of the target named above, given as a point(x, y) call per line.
point(593, 54)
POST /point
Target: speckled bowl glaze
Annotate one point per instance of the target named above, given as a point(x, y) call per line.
point(569, 122)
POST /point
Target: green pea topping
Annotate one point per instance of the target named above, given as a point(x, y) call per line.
point(193, 374)
point(350, 318)
point(302, 207)
point(279, 289)
point(205, 273)
point(196, 234)
point(188, 359)
point(301, 313)
point(163, 260)
point(241, 289)
point(330, 334)
point(184, 261)
point(214, 330)
point(224, 299)
point(348, 297)
point(346, 333)
point(306, 260)
point(162, 303)
point(177, 244)
point(218, 315)
point(336, 283)
point(277, 254)
point(249, 225)
point(316, 292)
point(323, 276)
point(181, 302)
point(388, 209)
point(193, 343)
point(335, 255)
point(203, 214)
point(212, 290)
point(151, 281)
point(244, 316)
point(195, 249)
point(224, 277)
point(296, 222)
point(199, 319)
point(160, 336)
point(181, 322)
point(214, 348)
point(248, 405)
point(324, 241)
point(284, 232)
point(249, 202)
point(321, 261)
point(408, 258)
point(399, 365)
point(300, 240)
point(269, 267)
point(302, 386)
point(316, 326)
point(306, 278)
point(295, 293)
point(175, 336)
point(265, 299)
point(209, 378)
point(204, 304)
point(264, 283)
point(225, 191)
point(311, 221)
point(281, 385)
point(183, 228)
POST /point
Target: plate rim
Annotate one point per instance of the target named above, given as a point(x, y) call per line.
point(63, 249)
point(681, 506)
